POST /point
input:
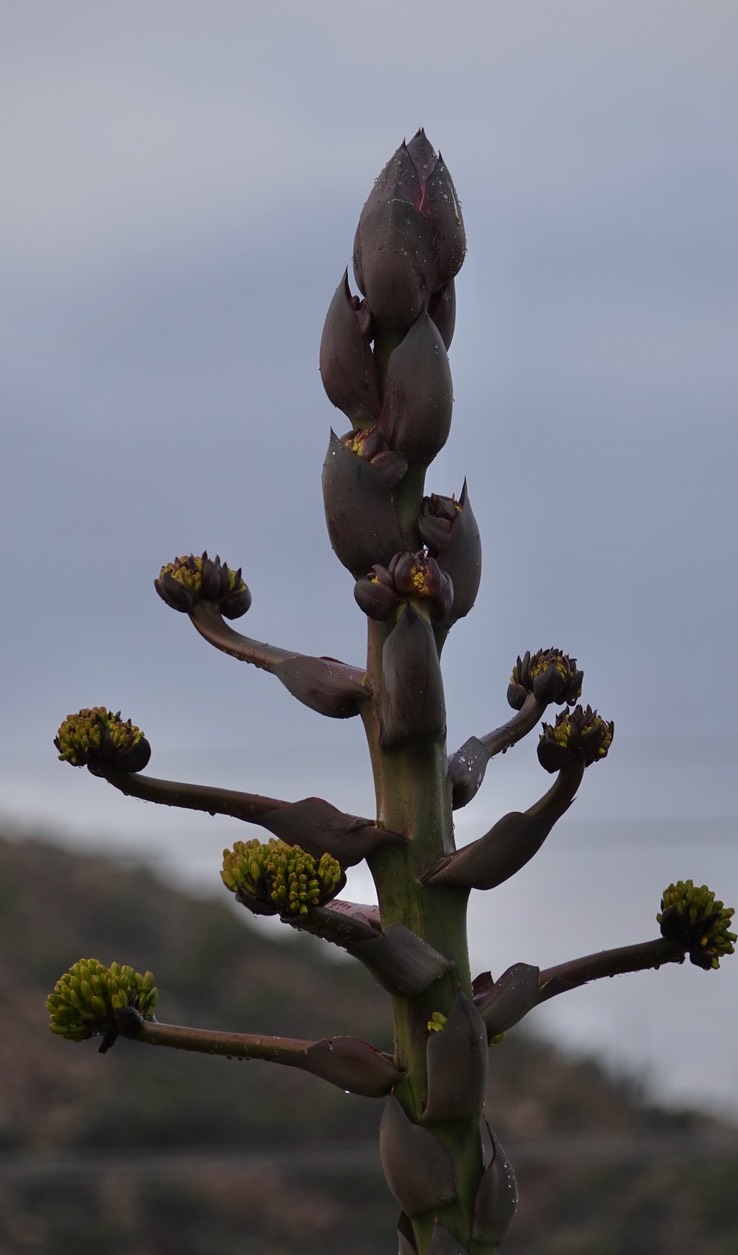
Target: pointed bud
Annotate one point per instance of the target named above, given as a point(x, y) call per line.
point(393, 261)
point(347, 365)
point(359, 510)
point(496, 1201)
point(416, 415)
point(412, 703)
point(457, 1064)
point(449, 529)
point(440, 204)
point(418, 1167)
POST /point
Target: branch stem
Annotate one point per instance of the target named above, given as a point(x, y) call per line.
point(616, 962)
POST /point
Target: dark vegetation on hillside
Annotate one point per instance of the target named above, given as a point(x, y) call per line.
point(151, 1152)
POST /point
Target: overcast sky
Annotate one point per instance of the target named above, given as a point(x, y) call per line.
point(181, 185)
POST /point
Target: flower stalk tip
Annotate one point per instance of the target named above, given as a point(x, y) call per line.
point(280, 879)
point(100, 740)
point(86, 1000)
point(691, 914)
point(579, 735)
point(189, 580)
point(549, 674)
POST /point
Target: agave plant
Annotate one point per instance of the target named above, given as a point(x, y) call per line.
point(415, 565)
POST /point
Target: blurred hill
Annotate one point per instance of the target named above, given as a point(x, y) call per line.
point(152, 1152)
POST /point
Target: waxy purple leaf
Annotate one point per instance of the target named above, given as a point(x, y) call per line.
point(418, 399)
point(442, 309)
point(359, 510)
point(394, 261)
point(348, 367)
point(496, 1201)
point(400, 962)
point(412, 704)
point(353, 1065)
point(443, 1243)
point(418, 1167)
point(320, 828)
point(321, 684)
point(457, 1057)
point(504, 1002)
point(449, 529)
point(405, 1236)
point(498, 855)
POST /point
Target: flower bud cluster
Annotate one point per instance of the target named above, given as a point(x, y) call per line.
point(189, 579)
point(409, 245)
point(412, 577)
point(548, 674)
point(692, 916)
point(449, 530)
point(579, 735)
point(85, 1000)
point(410, 241)
point(98, 739)
point(279, 879)
point(370, 444)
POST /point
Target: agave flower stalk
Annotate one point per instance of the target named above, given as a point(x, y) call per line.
point(415, 563)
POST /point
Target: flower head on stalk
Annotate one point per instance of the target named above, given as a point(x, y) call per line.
point(85, 1000)
point(98, 739)
point(691, 914)
point(548, 674)
point(579, 735)
point(189, 579)
point(280, 879)
point(410, 577)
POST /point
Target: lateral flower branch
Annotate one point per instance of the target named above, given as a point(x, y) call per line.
point(414, 562)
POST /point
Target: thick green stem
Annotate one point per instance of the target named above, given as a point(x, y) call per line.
point(413, 796)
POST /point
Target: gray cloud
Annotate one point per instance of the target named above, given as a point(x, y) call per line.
point(181, 190)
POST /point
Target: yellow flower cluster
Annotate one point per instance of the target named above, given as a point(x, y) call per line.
point(85, 999)
point(692, 915)
point(96, 737)
point(280, 874)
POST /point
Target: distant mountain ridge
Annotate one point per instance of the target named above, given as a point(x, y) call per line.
point(147, 1150)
